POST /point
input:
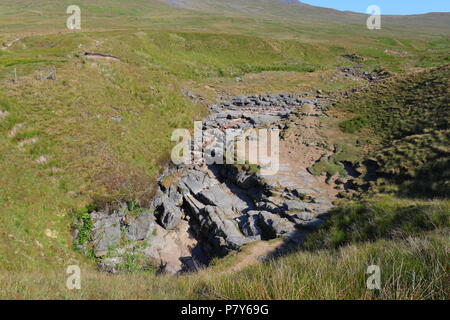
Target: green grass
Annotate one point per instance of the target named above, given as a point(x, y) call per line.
point(419, 164)
point(408, 117)
point(334, 164)
point(405, 237)
point(353, 125)
point(381, 217)
point(328, 167)
point(402, 106)
point(411, 268)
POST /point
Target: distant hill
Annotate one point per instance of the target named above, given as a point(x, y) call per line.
point(24, 15)
point(290, 9)
point(293, 9)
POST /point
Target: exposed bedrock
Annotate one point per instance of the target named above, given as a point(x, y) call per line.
point(208, 210)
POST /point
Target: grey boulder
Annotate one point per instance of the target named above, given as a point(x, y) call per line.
point(273, 225)
point(168, 214)
point(141, 227)
point(249, 224)
point(106, 232)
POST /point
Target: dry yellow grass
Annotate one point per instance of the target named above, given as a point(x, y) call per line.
point(413, 268)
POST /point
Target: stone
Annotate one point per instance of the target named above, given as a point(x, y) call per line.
point(156, 242)
point(292, 205)
point(169, 250)
point(110, 265)
point(141, 227)
point(215, 222)
point(269, 207)
point(273, 225)
point(299, 218)
point(261, 119)
point(303, 193)
point(182, 188)
point(233, 115)
point(216, 196)
point(240, 101)
point(158, 199)
point(175, 196)
point(195, 181)
point(106, 232)
point(243, 179)
point(168, 214)
point(221, 196)
point(249, 224)
point(193, 204)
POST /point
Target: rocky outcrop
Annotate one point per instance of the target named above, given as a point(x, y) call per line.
point(208, 210)
point(376, 75)
point(124, 240)
point(168, 213)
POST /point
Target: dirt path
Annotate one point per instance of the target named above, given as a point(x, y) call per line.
point(254, 253)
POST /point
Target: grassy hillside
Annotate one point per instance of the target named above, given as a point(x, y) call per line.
point(263, 17)
point(409, 118)
point(294, 10)
point(396, 108)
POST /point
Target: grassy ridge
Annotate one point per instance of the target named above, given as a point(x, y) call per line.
point(231, 14)
point(409, 118)
point(399, 107)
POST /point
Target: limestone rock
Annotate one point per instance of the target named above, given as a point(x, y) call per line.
point(249, 224)
point(106, 231)
point(141, 227)
point(168, 214)
point(215, 221)
point(193, 204)
point(273, 225)
point(221, 196)
point(196, 181)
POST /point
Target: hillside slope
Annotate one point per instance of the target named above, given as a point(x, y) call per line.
point(282, 16)
point(297, 10)
point(409, 116)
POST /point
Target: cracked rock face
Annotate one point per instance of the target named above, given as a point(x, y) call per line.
point(209, 210)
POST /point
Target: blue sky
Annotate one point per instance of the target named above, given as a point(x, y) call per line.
point(387, 6)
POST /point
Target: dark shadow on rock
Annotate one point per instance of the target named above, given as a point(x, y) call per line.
point(293, 241)
point(249, 195)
